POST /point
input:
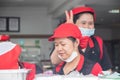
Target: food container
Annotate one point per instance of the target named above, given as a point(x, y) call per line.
point(13, 74)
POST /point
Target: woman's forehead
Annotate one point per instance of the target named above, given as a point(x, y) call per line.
point(86, 15)
point(66, 40)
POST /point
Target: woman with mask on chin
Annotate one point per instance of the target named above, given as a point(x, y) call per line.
point(66, 39)
point(92, 46)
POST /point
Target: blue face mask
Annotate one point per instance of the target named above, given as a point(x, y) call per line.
point(87, 32)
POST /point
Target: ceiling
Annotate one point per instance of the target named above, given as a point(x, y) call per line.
point(57, 7)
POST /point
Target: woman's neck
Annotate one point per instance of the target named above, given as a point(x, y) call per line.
point(76, 60)
point(70, 66)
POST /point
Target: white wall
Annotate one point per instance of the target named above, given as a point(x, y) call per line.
point(34, 20)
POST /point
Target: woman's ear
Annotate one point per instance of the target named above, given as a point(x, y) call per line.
point(77, 42)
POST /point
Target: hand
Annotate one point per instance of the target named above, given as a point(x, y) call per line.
point(69, 16)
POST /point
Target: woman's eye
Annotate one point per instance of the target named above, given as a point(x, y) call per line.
point(56, 44)
point(63, 44)
point(90, 23)
point(83, 23)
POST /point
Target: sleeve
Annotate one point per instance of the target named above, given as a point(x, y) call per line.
point(96, 69)
point(105, 62)
point(53, 56)
point(31, 74)
point(52, 49)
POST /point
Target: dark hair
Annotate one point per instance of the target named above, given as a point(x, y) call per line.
point(62, 20)
point(73, 40)
point(75, 18)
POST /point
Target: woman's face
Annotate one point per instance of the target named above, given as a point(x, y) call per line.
point(85, 20)
point(64, 47)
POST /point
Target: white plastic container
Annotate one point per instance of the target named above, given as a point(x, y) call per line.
point(13, 74)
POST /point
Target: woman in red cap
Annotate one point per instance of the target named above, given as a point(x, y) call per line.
point(66, 39)
point(92, 46)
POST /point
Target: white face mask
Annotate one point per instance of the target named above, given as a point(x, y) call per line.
point(73, 56)
point(87, 32)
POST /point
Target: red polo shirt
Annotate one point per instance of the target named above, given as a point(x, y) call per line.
point(95, 70)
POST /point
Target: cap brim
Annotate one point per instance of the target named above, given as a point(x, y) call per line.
point(51, 38)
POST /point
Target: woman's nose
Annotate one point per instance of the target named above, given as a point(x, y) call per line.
point(59, 48)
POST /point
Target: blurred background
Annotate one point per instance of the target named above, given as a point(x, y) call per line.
point(31, 22)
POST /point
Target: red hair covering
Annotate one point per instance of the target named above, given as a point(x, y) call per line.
point(66, 30)
point(4, 37)
point(82, 9)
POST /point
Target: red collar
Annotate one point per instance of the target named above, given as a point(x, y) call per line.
point(80, 64)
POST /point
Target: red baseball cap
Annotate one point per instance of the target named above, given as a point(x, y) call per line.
point(4, 37)
point(82, 9)
point(66, 30)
